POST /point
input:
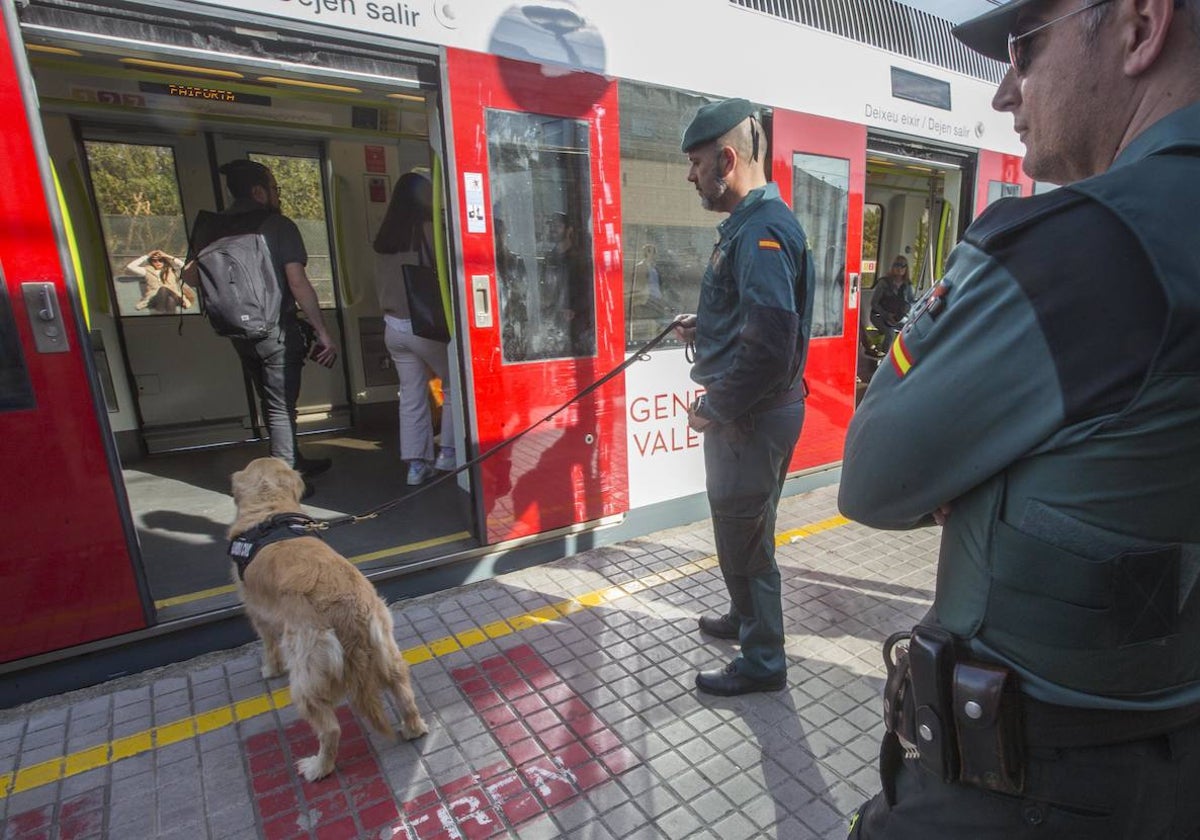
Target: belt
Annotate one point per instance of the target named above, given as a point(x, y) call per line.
point(1048, 725)
point(792, 395)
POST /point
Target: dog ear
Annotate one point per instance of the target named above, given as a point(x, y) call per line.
point(237, 483)
point(297, 482)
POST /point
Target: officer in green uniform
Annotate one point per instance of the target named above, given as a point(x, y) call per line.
point(1049, 394)
point(751, 336)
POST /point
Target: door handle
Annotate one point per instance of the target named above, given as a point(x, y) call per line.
point(46, 313)
point(45, 317)
point(481, 294)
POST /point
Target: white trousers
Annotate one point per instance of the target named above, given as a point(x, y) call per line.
point(413, 357)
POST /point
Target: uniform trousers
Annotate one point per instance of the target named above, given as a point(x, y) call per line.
point(274, 365)
point(1141, 790)
point(413, 356)
point(745, 464)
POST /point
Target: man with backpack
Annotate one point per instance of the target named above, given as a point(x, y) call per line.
point(248, 262)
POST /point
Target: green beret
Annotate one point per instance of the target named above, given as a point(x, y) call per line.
point(713, 120)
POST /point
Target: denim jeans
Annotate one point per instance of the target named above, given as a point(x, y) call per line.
point(274, 365)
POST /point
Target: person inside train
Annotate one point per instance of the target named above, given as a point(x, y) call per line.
point(890, 302)
point(163, 291)
point(405, 237)
point(273, 362)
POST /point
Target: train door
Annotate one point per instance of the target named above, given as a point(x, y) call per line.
point(818, 164)
point(536, 165)
point(65, 558)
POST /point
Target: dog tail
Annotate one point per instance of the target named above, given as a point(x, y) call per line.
point(316, 660)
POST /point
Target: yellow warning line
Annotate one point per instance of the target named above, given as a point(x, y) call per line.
point(357, 560)
point(55, 769)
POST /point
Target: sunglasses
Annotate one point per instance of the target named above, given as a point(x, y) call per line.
point(1020, 46)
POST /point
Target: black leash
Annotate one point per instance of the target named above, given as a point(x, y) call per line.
point(352, 519)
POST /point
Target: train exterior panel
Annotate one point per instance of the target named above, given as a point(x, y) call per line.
point(568, 237)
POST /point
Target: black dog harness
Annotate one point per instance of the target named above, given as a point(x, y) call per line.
point(281, 526)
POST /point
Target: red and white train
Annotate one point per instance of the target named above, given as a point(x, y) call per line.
point(120, 423)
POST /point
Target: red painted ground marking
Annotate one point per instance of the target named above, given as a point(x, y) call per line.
point(554, 743)
point(354, 801)
point(78, 818)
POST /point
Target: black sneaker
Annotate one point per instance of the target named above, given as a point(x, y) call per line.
point(310, 467)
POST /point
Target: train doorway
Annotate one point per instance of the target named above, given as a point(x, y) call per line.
point(917, 201)
point(138, 127)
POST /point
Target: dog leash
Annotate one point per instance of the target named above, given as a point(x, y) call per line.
point(353, 519)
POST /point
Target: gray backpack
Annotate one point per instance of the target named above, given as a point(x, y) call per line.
point(239, 291)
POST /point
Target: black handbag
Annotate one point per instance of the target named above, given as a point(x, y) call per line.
point(424, 294)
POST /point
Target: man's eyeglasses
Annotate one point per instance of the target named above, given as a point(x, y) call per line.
point(1019, 46)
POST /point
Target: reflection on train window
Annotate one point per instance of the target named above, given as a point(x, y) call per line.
point(302, 199)
point(667, 235)
point(15, 390)
point(821, 200)
point(872, 235)
point(141, 215)
point(541, 202)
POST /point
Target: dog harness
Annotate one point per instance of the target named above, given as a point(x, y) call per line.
point(281, 526)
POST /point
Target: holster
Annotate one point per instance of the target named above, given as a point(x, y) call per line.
point(961, 720)
point(931, 666)
point(987, 717)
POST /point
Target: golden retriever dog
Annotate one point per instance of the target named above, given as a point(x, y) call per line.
point(319, 619)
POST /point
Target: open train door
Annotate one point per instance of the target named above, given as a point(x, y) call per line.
point(819, 165)
point(535, 173)
point(66, 573)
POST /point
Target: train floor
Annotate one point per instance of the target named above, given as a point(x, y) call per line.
point(560, 702)
point(182, 509)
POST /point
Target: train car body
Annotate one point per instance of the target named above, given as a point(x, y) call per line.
point(538, 123)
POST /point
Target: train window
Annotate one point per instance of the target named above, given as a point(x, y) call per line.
point(15, 390)
point(302, 199)
point(141, 215)
point(541, 211)
point(821, 202)
point(667, 235)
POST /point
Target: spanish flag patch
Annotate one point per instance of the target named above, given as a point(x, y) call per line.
point(902, 360)
point(769, 245)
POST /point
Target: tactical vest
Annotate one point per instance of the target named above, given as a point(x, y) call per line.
point(1078, 565)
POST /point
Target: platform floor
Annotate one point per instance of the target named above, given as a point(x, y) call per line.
point(560, 701)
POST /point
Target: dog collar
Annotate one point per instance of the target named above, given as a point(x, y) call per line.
point(281, 526)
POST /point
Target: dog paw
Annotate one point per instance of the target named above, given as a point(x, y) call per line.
point(269, 673)
point(413, 729)
point(312, 768)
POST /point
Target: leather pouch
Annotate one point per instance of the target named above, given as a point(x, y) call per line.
point(931, 666)
point(987, 716)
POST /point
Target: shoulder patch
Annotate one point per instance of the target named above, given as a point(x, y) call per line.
point(1011, 215)
point(901, 357)
point(769, 245)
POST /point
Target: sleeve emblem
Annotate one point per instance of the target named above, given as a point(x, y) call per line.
point(769, 245)
point(901, 357)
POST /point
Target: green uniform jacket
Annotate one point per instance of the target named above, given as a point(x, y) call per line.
point(1049, 391)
